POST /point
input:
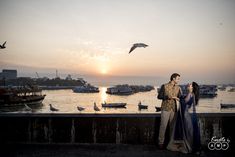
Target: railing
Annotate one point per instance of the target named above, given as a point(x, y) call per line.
point(102, 128)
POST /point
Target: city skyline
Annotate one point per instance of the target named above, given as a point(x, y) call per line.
point(193, 38)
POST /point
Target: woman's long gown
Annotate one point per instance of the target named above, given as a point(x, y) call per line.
point(185, 137)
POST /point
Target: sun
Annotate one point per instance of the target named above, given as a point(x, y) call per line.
point(104, 71)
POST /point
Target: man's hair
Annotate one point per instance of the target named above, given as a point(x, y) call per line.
point(174, 76)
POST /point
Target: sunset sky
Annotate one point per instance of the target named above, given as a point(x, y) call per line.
point(195, 38)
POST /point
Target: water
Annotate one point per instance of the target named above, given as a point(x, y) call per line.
point(67, 101)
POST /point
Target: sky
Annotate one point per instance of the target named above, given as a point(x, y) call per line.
point(90, 37)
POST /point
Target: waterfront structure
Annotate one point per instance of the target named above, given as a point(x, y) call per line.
point(8, 74)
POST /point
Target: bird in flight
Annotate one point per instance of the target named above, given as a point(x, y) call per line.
point(137, 45)
point(3, 45)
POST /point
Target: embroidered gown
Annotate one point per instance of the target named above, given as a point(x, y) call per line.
point(185, 137)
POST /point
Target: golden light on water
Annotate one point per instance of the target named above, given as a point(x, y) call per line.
point(103, 94)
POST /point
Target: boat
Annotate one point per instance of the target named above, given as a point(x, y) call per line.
point(20, 96)
point(85, 89)
point(120, 90)
point(222, 88)
point(126, 89)
point(227, 105)
point(141, 106)
point(114, 105)
point(231, 90)
point(206, 91)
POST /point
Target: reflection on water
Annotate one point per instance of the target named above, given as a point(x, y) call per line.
point(67, 101)
point(22, 109)
point(103, 94)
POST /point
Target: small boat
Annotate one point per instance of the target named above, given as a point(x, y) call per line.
point(227, 105)
point(158, 109)
point(141, 106)
point(222, 88)
point(114, 105)
point(231, 90)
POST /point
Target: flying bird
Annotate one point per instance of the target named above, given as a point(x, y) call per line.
point(53, 108)
point(80, 108)
point(96, 108)
point(137, 45)
point(3, 45)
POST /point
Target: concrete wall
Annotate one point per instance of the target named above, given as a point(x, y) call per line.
point(102, 128)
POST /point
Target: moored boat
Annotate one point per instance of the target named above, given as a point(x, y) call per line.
point(231, 90)
point(227, 105)
point(117, 105)
point(86, 89)
point(206, 91)
point(126, 89)
point(20, 96)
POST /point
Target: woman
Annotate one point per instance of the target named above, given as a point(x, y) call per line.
point(186, 134)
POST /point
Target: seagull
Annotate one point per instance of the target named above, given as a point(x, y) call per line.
point(158, 109)
point(3, 45)
point(80, 108)
point(52, 108)
point(137, 45)
point(27, 108)
point(140, 106)
point(96, 108)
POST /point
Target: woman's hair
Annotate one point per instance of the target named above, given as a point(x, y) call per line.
point(196, 91)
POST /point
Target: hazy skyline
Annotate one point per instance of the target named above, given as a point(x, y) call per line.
point(193, 38)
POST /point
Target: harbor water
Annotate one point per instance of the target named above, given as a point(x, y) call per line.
point(67, 101)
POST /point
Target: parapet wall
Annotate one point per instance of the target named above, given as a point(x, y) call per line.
point(102, 128)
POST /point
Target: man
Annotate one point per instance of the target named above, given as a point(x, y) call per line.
point(169, 94)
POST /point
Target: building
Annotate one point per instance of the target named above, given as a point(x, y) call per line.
point(8, 74)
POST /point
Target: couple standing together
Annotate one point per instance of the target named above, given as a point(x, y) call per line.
point(184, 129)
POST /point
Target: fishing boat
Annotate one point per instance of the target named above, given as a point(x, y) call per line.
point(114, 105)
point(227, 105)
point(20, 96)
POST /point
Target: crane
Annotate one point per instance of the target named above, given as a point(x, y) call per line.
point(37, 75)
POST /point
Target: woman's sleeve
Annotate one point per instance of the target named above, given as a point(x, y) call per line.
point(189, 100)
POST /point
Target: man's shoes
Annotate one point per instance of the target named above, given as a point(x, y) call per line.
point(161, 146)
